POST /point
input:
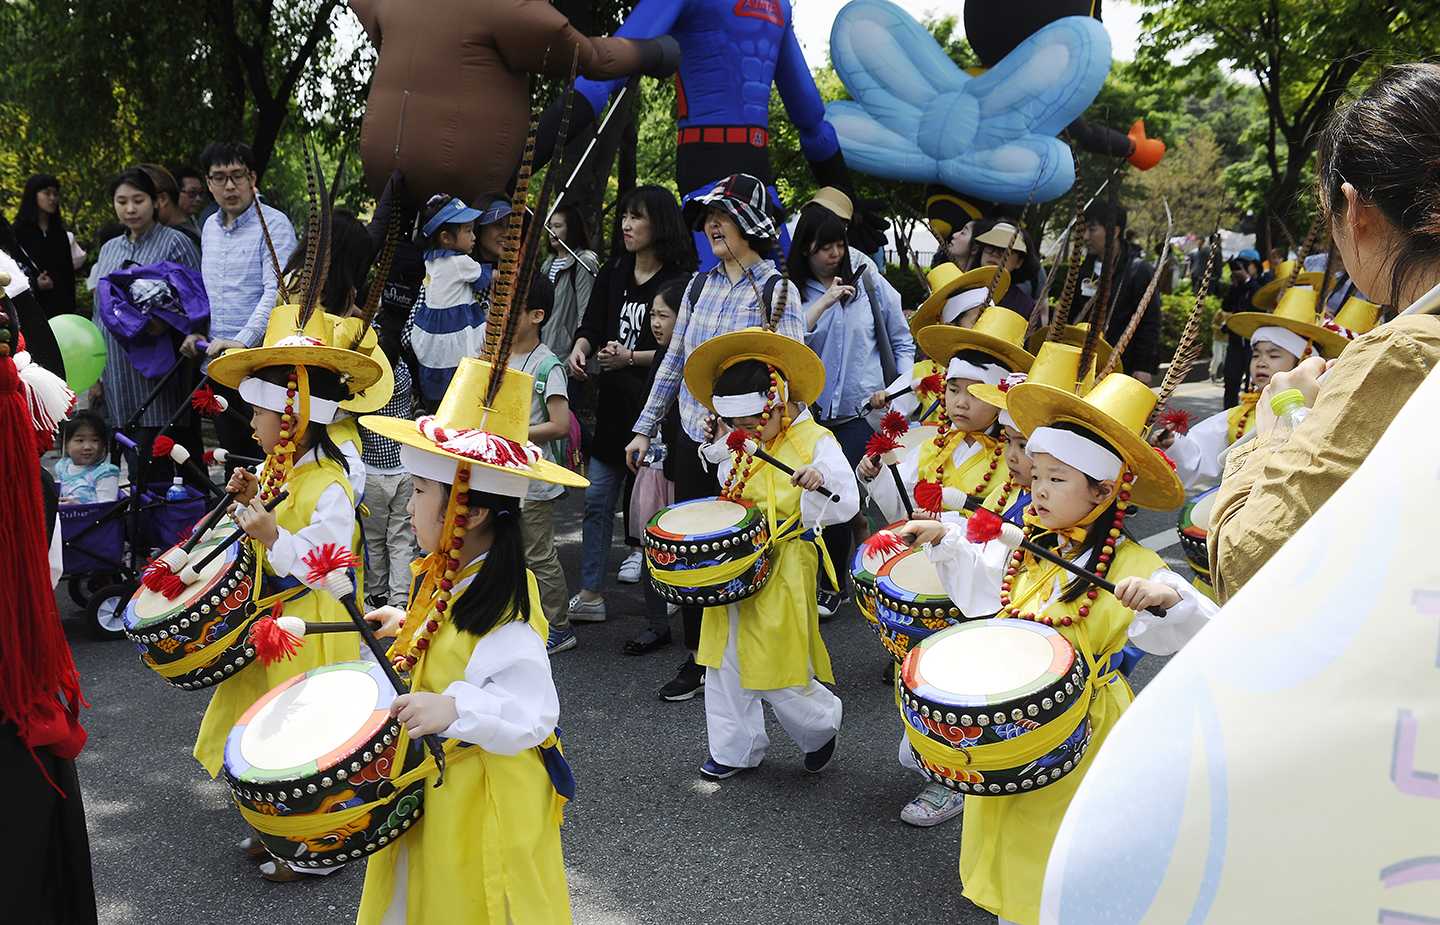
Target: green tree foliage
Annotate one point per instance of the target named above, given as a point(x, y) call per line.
point(1303, 55)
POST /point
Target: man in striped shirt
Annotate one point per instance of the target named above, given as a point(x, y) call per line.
point(239, 274)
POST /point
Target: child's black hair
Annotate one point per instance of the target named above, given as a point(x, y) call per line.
point(82, 419)
point(1099, 531)
point(743, 378)
point(432, 209)
point(541, 296)
point(501, 591)
point(324, 384)
point(673, 292)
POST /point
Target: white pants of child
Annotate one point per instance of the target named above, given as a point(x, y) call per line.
point(907, 757)
point(735, 719)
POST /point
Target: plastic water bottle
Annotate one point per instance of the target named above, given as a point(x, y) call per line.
point(1290, 410)
point(176, 491)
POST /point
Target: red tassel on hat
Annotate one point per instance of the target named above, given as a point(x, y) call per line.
point(273, 642)
point(323, 560)
point(893, 424)
point(1168, 461)
point(984, 525)
point(930, 495)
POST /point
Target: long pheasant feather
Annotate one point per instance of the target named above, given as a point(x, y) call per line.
point(1124, 340)
point(377, 284)
point(280, 290)
point(1188, 348)
point(1100, 314)
point(1316, 224)
point(504, 316)
point(317, 248)
point(1060, 322)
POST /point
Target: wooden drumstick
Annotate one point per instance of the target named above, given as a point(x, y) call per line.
point(298, 627)
point(338, 583)
point(754, 449)
point(192, 573)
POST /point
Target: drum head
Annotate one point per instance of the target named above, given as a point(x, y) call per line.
point(913, 572)
point(992, 661)
point(152, 605)
point(309, 723)
point(701, 518)
point(1200, 514)
point(916, 435)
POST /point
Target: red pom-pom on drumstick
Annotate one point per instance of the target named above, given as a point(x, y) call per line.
point(162, 448)
point(893, 424)
point(1177, 420)
point(934, 384)
point(984, 525)
point(884, 543)
point(272, 641)
point(930, 496)
point(322, 560)
point(160, 577)
point(880, 444)
point(207, 402)
point(736, 440)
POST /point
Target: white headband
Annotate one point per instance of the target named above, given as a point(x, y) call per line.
point(443, 469)
point(1284, 338)
point(1006, 420)
point(960, 303)
point(1074, 450)
point(751, 404)
point(990, 373)
point(270, 396)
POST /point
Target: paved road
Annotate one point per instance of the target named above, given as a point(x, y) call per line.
point(648, 841)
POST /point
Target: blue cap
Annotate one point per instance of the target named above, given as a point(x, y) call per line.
point(453, 212)
point(1248, 253)
point(495, 211)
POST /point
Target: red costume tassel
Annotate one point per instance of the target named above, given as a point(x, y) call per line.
point(933, 384)
point(893, 424)
point(930, 495)
point(325, 559)
point(271, 641)
point(1168, 461)
point(161, 580)
point(984, 525)
point(736, 440)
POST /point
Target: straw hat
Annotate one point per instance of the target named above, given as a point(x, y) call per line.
point(998, 332)
point(318, 342)
point(466, 431)
point(1116, 411)
point(1075, 336)
point(803, 372)
point(947, 280)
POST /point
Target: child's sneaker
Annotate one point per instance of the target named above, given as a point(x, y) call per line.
point(717, 771)
point(822, 757)
point(688, 682)
point(933, 806)
point(631, 567)
point(587, 611)
point(560, 640)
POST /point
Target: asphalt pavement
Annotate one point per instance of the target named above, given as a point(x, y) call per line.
point(647, 841)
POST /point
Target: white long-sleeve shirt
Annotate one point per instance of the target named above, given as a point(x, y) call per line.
point(882, 488)
point(1197, 454)
point(972, 574)
point(332, 521)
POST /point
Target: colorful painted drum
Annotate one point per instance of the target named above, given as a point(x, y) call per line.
point(1016, 685)
point(865, 566)
point(320, 743)
point(203, 635)
point(1195, 532)
point(911, 603)
point(707, 532)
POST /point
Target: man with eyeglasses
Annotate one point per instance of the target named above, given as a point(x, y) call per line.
point(192, 192)
point(236, 265)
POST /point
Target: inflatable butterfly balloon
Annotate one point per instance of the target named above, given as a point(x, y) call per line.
point(917, 116)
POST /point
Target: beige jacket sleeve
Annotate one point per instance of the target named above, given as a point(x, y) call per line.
point(1266, 497)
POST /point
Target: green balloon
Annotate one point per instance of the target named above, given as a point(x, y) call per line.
point(82, 348)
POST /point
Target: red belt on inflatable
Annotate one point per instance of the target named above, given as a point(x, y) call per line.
point(724, 134)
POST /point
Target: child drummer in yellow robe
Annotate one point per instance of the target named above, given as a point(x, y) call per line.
point(1279, 340)
point(767, 647)
point(956, 299)
point(1090, 465)
point(487, 849)
point(295, 385)
point(967, 456)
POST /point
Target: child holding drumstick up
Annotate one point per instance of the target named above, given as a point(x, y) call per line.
point(1090, 464)
point(768, 646)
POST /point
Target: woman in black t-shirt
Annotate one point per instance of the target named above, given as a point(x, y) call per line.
point(615, 336)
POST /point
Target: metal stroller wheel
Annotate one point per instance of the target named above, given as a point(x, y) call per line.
point(83, 587)
point(105, 614)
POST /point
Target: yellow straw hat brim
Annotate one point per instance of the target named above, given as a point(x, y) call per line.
point(404, 431)
point(929, 311)
point(942, 341)
point(234, 365)
point(804, 373)
point(1328, 343)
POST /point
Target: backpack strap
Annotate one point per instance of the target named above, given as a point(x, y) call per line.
point(697, 286)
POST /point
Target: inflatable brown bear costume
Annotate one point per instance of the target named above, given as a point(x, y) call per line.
point(449, 102)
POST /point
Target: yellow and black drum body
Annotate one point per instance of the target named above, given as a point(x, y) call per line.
point(1194, 530)
point(865, 566)
point(309, 765)
point(203, 635)
point(911, 603)
point(724, 539)
point(995, 707)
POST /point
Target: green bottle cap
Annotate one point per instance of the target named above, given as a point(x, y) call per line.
point(1288, 400)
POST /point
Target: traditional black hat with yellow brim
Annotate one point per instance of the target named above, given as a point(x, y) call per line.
point(466, 432)
point(802, 370)
point(998, 332)
point(1116, 411)
point(946, 281)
